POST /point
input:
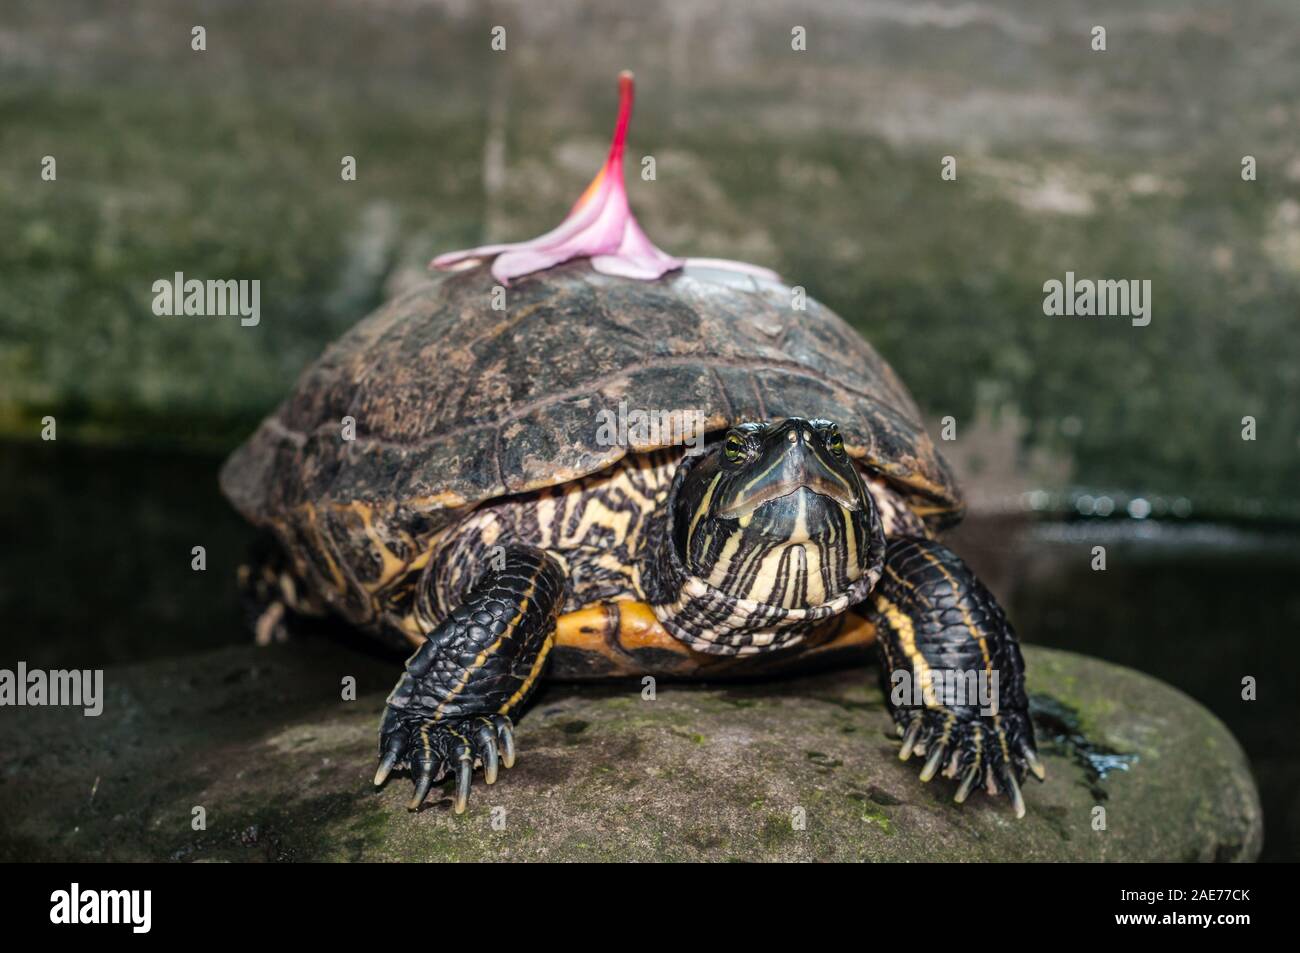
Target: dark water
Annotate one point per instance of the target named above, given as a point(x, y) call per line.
point(1201, 606)
point(95, 570)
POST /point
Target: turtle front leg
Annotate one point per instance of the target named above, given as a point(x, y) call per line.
point(953, 670)
point(451, 709)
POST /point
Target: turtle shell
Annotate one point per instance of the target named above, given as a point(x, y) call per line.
point(454, 402)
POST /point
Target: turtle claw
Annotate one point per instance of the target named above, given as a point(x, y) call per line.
point(435, 750)
point(386, 764)
point(1035, 766)
point(909, 739)
point(506, 734)
point(1008, 781)
point(932, 763)
point(967, 783)
point(997, 750)
point(422, 786)
point(486, 738)
point(464, 775)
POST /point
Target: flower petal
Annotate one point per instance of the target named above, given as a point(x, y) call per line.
point(524, 261)
point(637, 257)
point(600, 226)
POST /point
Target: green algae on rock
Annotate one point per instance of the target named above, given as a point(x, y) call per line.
point(805, 769)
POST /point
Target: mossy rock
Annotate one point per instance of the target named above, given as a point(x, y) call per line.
point(803, 769)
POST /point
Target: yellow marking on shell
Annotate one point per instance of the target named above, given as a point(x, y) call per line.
point(853, 630)
point(391, 566)
point(634, 626)
point(584, 629)
point(436, 501)
point(335, 571)
point(639, 628)
point(901, 623)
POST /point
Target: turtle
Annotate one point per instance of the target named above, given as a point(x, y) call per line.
point(616, 477)
point(632, 465)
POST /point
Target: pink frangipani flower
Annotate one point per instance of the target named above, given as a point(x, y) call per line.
point(600, 226)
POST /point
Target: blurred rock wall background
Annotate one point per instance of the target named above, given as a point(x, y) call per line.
point(824, 164)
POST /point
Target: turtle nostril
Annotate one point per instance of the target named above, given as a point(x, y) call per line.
point(793, 436)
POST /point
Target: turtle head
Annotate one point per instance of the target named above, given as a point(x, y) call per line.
point(777, 513)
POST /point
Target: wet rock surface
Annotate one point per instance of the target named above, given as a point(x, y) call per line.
point(262, 741)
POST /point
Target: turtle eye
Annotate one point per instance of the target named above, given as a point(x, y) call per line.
point(835, 443)
point(733, 448)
